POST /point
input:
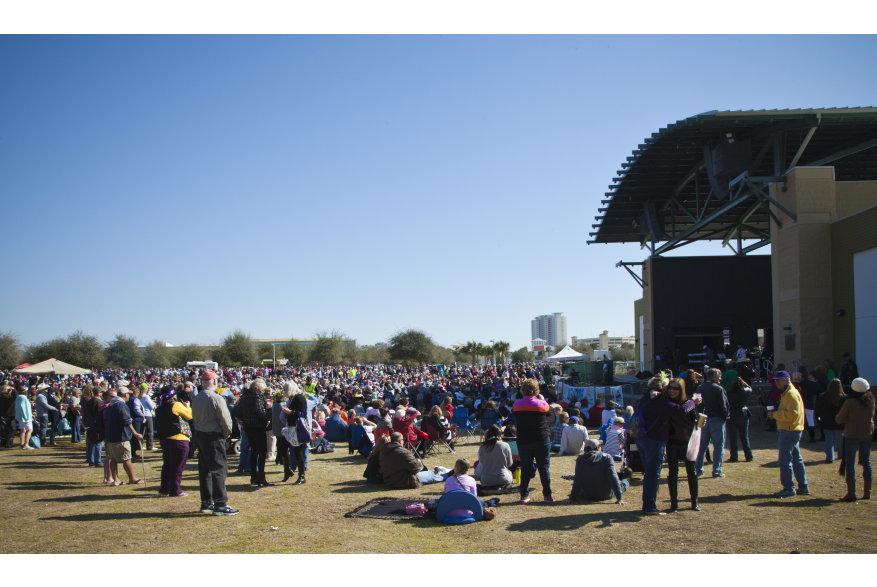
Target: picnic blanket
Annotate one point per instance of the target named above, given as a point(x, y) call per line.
point(388, 509)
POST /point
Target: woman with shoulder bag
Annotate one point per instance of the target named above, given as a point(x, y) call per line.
point(172, 429)
point(297, 408)
point(857, 416)
point(681, 429)
point(739, 421)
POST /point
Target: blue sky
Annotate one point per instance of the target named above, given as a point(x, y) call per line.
point(181, 187)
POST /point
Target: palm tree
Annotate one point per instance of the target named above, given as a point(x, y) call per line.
point(472, 349)
point(501, 348)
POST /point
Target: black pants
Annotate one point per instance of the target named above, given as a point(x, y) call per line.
point(258, 451)
point(674, 455)
point(147, 431)
point(283, 454)
point(299, 452)
point(212, 467)
point(7, 431)
point(739, 425)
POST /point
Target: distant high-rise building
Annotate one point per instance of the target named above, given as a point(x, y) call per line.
point(550, 327)
point(604, 342)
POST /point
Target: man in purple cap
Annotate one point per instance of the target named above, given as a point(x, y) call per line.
point(212, 424)
point(790, 424)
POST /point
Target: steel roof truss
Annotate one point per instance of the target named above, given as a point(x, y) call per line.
point(702, 223)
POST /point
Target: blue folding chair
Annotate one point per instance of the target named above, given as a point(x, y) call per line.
point(458, 500)
point(464, 425)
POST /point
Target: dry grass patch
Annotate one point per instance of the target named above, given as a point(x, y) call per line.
point(67, 509)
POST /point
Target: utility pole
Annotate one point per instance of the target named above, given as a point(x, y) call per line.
point(493, 346)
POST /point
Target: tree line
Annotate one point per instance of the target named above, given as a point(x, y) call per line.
point(409, 347)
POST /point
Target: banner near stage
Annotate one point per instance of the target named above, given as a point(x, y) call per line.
point(592, 393)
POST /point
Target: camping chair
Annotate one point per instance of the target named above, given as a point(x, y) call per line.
point(435, 442)
point(417, 445)
point(381, 432)
point(464, 425)
point(454, 501)
point(488, 421)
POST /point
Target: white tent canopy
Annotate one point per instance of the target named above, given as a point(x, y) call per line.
point(52, 367)
point(568, 354)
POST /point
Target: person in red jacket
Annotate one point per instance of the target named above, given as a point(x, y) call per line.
point(595, 415)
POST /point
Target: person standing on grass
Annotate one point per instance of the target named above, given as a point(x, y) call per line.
point(857, 415)
point(715, 402)
point(148, 416)
point(681, 428)
point(24, 416)
point(45, 415)
point(738, 424)
point(172, 428)
point(119, 432)
point(789, 419)
point(212, 426)
point(828, 406)
point(651, 432)
point(534, 418)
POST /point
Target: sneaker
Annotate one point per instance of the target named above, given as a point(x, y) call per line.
point(785, 493)
point(548, 499)
point(804, 490)
point(182, 495)
point(224, 511)
point(206, 509)
point(525, 499)
point(719, 476)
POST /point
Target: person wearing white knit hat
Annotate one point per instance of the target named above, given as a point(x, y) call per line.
point(857, 416)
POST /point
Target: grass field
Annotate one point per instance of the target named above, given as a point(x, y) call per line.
point(50, 502)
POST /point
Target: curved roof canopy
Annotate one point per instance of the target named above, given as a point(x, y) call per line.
point(668, 174)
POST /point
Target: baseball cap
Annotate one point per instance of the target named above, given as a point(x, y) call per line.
point(574, 420)
point(781, 374)
point(144, 385)
point(591, 444)
point(208, 375)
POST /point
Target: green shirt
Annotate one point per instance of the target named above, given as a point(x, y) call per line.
point(728, 378)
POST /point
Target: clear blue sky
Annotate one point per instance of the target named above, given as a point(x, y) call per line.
point(181, 187)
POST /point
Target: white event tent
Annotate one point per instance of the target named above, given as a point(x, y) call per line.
point(568, 354)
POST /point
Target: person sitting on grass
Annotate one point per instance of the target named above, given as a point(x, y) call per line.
point(494, 464)
point(399, 466)
point(596, 478)
point(614, 445)
point(573, 438)
point(458, 480)
point(557, 431)
point(337, 429)
point(372, 471)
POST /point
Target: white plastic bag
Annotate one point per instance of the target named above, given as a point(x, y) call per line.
point(693, 444)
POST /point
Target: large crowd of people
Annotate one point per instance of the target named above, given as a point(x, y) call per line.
point(394, 416)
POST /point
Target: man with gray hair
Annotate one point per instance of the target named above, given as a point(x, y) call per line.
point(717, 411)
point(212, 424)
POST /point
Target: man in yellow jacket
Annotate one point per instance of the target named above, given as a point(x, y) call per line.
point(789, 417)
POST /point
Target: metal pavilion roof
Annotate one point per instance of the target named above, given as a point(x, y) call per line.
point(668, 169)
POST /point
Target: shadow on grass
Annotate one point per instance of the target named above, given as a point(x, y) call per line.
point(45, 486)
point(574, 522)
point(92, 497)
point(119, 516)
point(804, 502)
point(358, 486)
point(726, 498)
point(40, 465)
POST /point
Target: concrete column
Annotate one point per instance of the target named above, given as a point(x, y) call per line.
point(648, 319)
point(801, 266)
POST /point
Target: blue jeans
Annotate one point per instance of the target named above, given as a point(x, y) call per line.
point(652, 454)
point(713, 430)
point(75, 435)
point(862, 446)
point(92, 453)
point(739, 425)
point(833, 443)
point(45, 427)
point(791, 460)
point(541, 453)
point(244, 462)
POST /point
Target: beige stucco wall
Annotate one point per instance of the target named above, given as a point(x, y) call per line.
point(801, 262)
point(855, 196)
